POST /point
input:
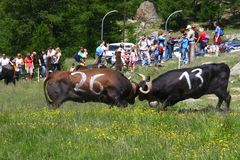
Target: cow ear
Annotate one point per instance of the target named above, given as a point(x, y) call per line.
point(148, 78)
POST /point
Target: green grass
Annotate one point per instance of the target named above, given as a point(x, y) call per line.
point(187, 130)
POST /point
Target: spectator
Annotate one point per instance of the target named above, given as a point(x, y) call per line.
point(133, 59)
point(28, 61)
point(19, 64)
point(202, 39)
point(54, 61)
point(85, 55)
point(190, 33)
point(58, 54)
point(35, 61)
point(144, 45)
point(81, 56)
point(169, 43)
point(42, 63)
point(4, 60)
point(184, 48)
point(124, 55)
point(100, 51)
point(217, 38)
point(161, 40)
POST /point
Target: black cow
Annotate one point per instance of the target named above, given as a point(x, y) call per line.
point(180, 84)
point(90, 85)
point(8, 74)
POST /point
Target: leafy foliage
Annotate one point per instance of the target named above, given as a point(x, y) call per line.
point(33, 25)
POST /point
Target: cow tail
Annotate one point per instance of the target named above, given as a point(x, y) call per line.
point(49, 100)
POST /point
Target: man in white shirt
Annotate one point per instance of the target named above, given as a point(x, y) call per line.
point(144, 44)
point(4, 60)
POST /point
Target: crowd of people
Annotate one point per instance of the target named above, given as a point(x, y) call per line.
point(159, 48)
point(26, 67)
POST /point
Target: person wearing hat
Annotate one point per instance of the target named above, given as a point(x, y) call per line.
point(169, 43)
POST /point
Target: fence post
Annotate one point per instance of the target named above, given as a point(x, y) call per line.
point(191, 52)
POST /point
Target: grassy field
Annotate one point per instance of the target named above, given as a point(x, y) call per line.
point(191, 129)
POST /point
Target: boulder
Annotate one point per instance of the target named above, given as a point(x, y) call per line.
point(236, 69)
point(147, 13)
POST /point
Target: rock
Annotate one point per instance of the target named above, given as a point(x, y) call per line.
point(147, 13)
point(236, 70)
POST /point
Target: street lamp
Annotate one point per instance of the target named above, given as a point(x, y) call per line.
point(103, 21)
point(169, 18)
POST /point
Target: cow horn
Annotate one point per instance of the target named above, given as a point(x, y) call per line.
point(143, 77)
point(149, 85)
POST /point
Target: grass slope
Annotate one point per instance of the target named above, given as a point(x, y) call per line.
point(187, 130)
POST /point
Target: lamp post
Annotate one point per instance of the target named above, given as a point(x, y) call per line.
point(103, 21)
point(169, 18)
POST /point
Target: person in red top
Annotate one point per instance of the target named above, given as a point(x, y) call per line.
point(202, 39)
point(29, 66)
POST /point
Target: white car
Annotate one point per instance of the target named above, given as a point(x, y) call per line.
point(112, 47)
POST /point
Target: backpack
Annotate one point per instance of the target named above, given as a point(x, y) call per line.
point(221, 32)
point(99, 51)
point(206, 39)
point(76, 57)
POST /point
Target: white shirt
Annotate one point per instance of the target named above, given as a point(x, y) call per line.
point(4, 62)
point(144, 43)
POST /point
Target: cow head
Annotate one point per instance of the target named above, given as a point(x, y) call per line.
point(145, 87)
point(145, 91)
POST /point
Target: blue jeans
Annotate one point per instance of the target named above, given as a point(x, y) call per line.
point(157, 58)
point(168, 53)
point(145, 57)
point(43, 71)
point(184, 55)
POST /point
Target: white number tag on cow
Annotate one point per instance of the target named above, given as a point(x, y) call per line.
point(198, 75)
point(92, 81)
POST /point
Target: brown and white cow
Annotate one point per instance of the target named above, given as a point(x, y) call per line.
point(90, 85)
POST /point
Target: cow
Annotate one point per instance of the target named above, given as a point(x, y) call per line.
point(180, 84)
point(7, 73)
point(90, 85)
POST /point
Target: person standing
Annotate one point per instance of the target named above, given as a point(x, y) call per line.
point(100, 51)
point(184, 48)
point(28, 61)
point(161, 42)
point(202, 39)
point(133, 59)
point(58, 54)
point(217, 38)
point(19, 64)
point(169, 43)
point(42, 63)
point(144, 45)
point(4, 60)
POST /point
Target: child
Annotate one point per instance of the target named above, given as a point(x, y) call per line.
point(133, 59)
point(184, 48)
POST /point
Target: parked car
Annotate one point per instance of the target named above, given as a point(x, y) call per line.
point(112, 47)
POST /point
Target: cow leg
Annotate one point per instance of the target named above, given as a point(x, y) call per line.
point(6, 81)
point(171, 100)
point(220, 101)
point(223, 96)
